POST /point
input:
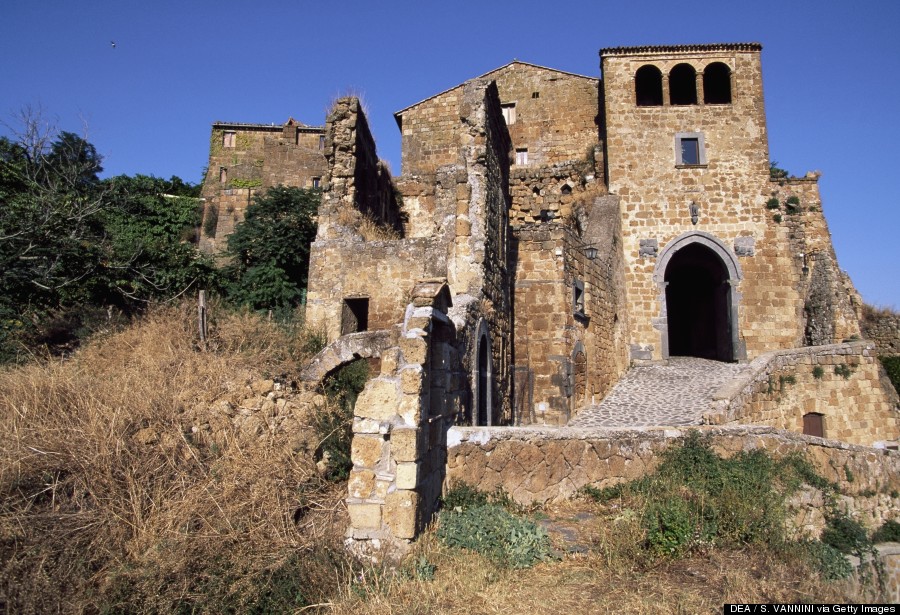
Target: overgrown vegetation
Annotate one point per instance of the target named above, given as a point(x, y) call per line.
point(109, 503)
point(892, 367)
point(485, 524)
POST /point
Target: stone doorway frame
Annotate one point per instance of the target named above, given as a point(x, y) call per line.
point(735, 276)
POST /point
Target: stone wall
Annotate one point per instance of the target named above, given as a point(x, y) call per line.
point(255, 157)
point(843, 383)
point(540, 464)
point(551, 331)
point(772, 299)
point(882, 327)
point(400, 424)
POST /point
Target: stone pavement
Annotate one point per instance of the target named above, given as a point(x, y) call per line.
point(678, 393)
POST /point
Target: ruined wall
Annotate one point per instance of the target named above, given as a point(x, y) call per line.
point(478, 264)
point(537, 465)
point(254, 157)
point(552, 381)
point(400, 423)
point(555, 192)
point(841, 382)
point(882, 326)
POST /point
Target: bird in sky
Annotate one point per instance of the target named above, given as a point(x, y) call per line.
point(113, 43)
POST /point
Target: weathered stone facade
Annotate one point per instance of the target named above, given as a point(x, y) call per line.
point(548, 231)
point(245, 159)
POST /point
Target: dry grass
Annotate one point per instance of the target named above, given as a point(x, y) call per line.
point(614, 576)
point(872, 313)
point(107, 503)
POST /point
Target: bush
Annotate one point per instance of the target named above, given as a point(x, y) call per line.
point(892, 367)
point(845, 534)
point(827, 560)
point(888, 532)
point(492, 531)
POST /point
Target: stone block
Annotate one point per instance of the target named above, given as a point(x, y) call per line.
point(414, 349)
point(411, 380)
point(361, 483)
point(401, 509)
point(366, 450)
point(405, 445)
point(364, 515)
point(407, 475)
point(378, 399)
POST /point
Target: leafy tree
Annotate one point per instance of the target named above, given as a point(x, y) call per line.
point(151, 225)
point(269, 250)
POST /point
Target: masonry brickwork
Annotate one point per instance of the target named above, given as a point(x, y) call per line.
point(244, 160)
point(548, 231)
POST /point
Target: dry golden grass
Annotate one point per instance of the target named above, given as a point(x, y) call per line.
point(105, 500)
point(614, 576)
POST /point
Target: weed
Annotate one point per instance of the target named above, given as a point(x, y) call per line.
point(777, 218)
point(773, 203)
point(783, 380)
point(827, 560)
point(492, 531)
point(818, 372)
point(843, 370)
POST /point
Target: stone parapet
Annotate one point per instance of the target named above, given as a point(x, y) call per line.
point(841, 382)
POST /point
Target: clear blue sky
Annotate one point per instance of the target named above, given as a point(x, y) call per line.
point(831, 74)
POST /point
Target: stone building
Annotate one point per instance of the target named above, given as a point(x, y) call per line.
point(549, 231)
point(245, 159)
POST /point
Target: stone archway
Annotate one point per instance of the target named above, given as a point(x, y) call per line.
point(698, 277)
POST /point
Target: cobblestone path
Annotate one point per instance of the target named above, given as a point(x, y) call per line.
point(660, 395)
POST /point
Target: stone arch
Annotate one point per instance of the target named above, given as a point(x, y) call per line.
point(482, 376)
point(648, 90)
point(717, 84)
point(344, 350)
point(713, 274)
point(683, 85)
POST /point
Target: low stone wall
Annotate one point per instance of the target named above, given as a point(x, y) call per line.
point(864, 584)
point(545, 464)
point(841, 382)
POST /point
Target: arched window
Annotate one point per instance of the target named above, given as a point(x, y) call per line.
point(717, 84)
point(683, 85)
point(648, 86)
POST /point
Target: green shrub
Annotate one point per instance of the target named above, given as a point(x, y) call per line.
point(843, 370)
point(773, 203)
point(888, 532)
point(334, 425)
point(463, 496)
point(211, 222)
point(892, 367)
point(818, 372)
point(492, 531)
point(777, 218)
point(845, 534)
point(792, 204)
point(830, 562)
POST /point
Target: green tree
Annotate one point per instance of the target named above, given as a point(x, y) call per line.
point(269, 250)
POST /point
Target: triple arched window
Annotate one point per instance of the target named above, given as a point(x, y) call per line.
point(682, 81)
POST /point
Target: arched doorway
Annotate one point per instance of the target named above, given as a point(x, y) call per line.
point(698, 310)
point(698, 279)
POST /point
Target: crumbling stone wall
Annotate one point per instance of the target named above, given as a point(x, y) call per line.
point(551, 329)
point(842, 382)
point(400, 424)
point(355, 172)
point(882, 326)
point(255, 157)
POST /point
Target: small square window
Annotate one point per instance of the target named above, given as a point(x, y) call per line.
point(535, 94)
point(689, 149)
point(228, 138)
point(578, 298)
point(509, 113)
point(316, 181)
point(522, 156)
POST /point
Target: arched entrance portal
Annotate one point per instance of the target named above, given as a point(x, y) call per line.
point(698, 279)
point(698, 310)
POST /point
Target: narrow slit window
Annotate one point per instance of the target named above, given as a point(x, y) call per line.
point(316, 181)
point(223, 175)
point(578, 298)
